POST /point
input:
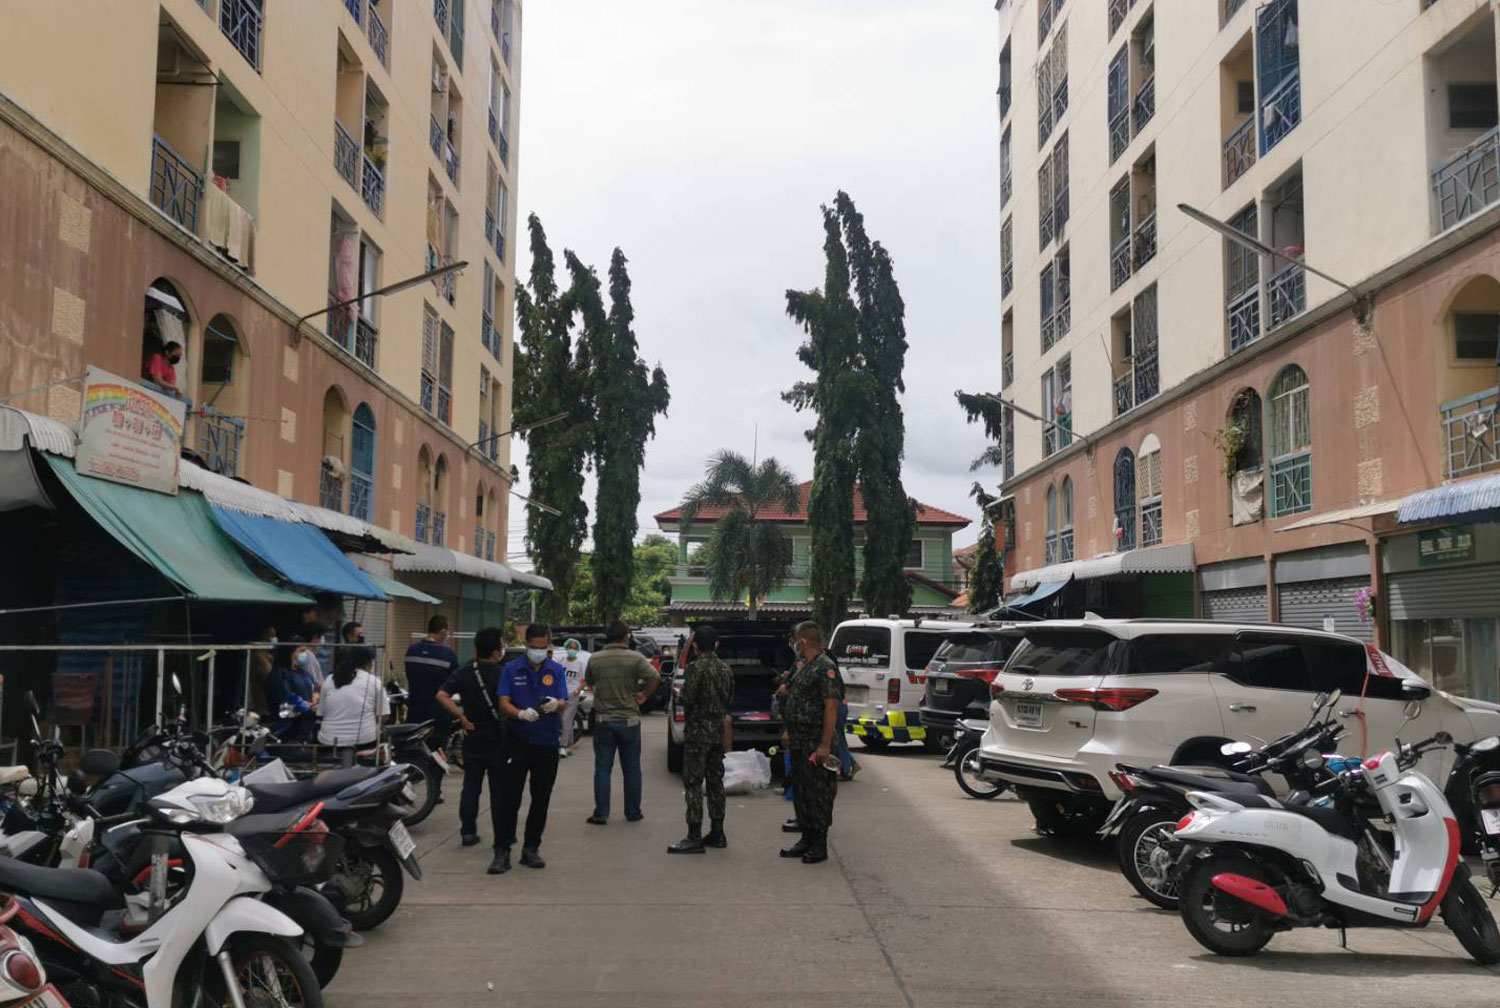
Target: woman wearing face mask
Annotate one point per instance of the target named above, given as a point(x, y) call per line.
point(574, 660)
point(292, 684)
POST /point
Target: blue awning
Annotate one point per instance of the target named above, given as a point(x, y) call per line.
point(300, 553)
point(1473, 495)
point(1040, 593)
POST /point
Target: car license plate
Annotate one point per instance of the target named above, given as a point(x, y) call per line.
point(941, 686)
point(1028, 715)
point(856, 694)
point(402, 841)
point(47, 997)
point(1491, 819)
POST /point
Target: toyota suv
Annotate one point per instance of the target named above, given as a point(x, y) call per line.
point(959, 677)
point(1078, 697)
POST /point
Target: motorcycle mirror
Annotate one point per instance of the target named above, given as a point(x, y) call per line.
point(1486, 744)
point(1334, 697)
point(1412, 709)
point(1235, 748)
point(76, 784)
point(99, 763)
point(31, 703)
point(1311, 759)
point(1319, 699)
point(1443, 738)
point(176, 683)
point(1415, 690)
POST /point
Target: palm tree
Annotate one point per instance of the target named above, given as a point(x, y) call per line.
point(746, 556)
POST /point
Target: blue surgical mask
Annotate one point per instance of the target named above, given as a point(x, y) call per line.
point(536, 655)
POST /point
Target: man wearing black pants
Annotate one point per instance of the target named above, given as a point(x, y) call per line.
point(477, 686)
point(533, 691)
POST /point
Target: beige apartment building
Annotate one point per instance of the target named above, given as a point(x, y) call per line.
point(1201, 430)
point(214, 171)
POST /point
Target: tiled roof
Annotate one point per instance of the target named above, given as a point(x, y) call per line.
point(925, 515)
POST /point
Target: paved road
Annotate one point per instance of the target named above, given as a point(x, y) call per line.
point(931, 899)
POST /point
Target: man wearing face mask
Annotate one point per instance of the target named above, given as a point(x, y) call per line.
point(574, 661)
point(810, 709)
point(533, 691)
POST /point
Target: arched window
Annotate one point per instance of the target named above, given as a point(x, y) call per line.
point(492, 523)
point(1244, 425)
point(479, 520)
point(334, 469)
point(1148, 478)
point(1290, 438)
point(440, 501)
point(1052, 524)
point(1065, 533)
point(164, 334)
point(1124, 500)
point(424, 495)
point(362, 463)
point(223, 392)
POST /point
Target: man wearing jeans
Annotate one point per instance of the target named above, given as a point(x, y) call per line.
point(622, 680)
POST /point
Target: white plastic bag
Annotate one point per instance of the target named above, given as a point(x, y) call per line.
point(745, 771)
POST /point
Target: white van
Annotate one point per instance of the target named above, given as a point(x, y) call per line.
point(884, 665)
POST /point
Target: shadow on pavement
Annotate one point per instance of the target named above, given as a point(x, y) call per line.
point(1347, 962)
point(1089, 852)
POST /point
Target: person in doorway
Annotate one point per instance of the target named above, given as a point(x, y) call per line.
point(353, 632)
point(353, 704)
point(810, 708)
point(574, 661)
point(622, 680)
point(429, 663)
point(261, 665)
point(533, 692)
point(161, 367)
point(707, 691)
point(477, 687)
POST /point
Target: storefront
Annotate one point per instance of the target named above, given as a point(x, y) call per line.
point(1155, 582)
point(1322, 589)
point(1235, 591)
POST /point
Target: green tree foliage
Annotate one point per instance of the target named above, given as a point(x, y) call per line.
point(655, 561)
point(986, 410)
point(746, 556)
point(987, 579)
point(627, 399)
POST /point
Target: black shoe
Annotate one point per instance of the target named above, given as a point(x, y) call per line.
point(635, 818)
point(469, 839)
point(816, 853)
point(716, 838)
point(690, 844)
point(531, 859)
point(798, 849)
point(791, 826)
point(501, 864)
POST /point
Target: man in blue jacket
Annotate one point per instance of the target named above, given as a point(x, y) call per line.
point(533, 692)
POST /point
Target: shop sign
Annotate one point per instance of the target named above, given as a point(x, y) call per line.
point(129, 434)
point(1454, 544)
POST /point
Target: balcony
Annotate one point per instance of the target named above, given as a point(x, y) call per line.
point(355, 9)
point(1469, 181)
point(365, 338)
point(504, 146)
point(1049, 332)
point(1286, 293)
point(1007, 370)
point(330, 489)
point(447, 284)
point(500, 243)
point(1065, 546)
point(1291, 484)
point(1044, 224)
point(1243, 311)
point(435, 136)
point(424, 520)
point(1063, 316)
point(440, 15)
point(345, 154)
point(176, 186)
point(1281, 111)
point(1119, 134)
point(1007, 279)
point(1144, 241)
point(1239, 151)
point(219, 440)
point(445, 405)
point(372, 187)
point(1144, 106)
point(450, 162)
point(1119, 263)
point(361, 495)
point(1052, 441)
point(1468, 429)
point(439, 528)
point(1124, 393)
point(240, 21)
point(380, 37)
point(1147, 375)
point(1151, 533)
point(1117, 9)
point(1002, 93)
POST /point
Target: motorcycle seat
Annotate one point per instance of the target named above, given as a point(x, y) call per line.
point(271, 822)
point(1222, 781)
point(406, 731)
point(277, 797)
point(1330, 819)
point(71, 889)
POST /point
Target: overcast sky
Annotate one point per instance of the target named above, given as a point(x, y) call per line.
point(701, 136)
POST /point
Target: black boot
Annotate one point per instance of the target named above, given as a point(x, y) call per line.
point(716, 837)
point(798, 849)
point(501, 864)
point(791, 826)
point(690, 844)
point(817, 849)
point(531, 859)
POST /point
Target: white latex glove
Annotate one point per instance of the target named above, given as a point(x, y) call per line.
point(550, 705)
point(529, 714)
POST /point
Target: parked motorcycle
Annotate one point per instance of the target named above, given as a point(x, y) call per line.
point(963, 757)
point(1474, 792)
point(412, 744)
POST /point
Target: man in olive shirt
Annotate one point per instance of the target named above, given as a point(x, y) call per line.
point(622, 679)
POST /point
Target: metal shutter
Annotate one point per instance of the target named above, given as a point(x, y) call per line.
point(1236, 605)
point(1306, 604)
point(1444, 593)
point(375, 617)
point(406, 622)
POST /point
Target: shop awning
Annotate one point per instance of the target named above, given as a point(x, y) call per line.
point(396, 589)
point(1348, 514)
point(176, 535)
point(441, 560)
point(1482, 494)
point(525, 579)
point(300, 553)
point(1154, 560)
point(1040, 593)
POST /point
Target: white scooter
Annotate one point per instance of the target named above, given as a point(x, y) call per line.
point(142, 948)
point(1249, 866)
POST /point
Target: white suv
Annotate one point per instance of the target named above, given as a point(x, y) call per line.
point(1078, 697)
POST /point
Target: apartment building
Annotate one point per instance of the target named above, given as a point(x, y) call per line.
point(216, 171)
point(1200, 429)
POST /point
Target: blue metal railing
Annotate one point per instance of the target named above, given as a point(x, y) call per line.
point(1469, 181)
point(219, 441)
point(489, 225)
point(1147, 375)
point(1286, 293)
point(435, 135)
point(1239, 151)
point(1244, 318)
point(355, 9)
point(1291, 484)
point(372, 187)
point(1065, 545)
point(240, 21)
point(504, 145)
point(451, 161)
point(1280, 111)
point(380, 36)
point(424, 514)
point(440, 14)
point(176, 186)
point(345, 154)
point(500, 243)
point(1124, 393)
point(439, 528)
point(1468, 428)
point(361, 492)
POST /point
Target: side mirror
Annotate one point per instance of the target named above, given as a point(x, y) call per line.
point(1415, 690)
point(99, 763)
point(1443, 738)
point(1235, 748)
point(1335, 696)
point(1412, 709)
point(176, 683)
point(1319, 700)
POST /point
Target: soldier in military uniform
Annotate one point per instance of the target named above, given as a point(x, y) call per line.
point(810, 709)
point(707, 691)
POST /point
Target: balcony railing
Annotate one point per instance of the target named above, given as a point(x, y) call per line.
point(435, 135)
point(1117, 9)
point(1044, 224)
point(1151, 523)
point(489, 225)
point(494, 125)
point(429, 389)
point(445, 405)
point(1002, 95)
point(1065, 545)
point(500, 241)
point(240, 21)
point(361, 494)
point(365, 338)
point(1049, 332)
point(1144, 106)
point(355, 8)
point(345, 154)
point(1044, 12)
point(1280, 111)
point(219, 441)
point(447, 284)
point(440, 15)
point(1007, 370)
point(1124, 393)
point(1007, 279)
point(1144, 241)
point(1119, 134)
point(424, 520)
point(1231, 7)
point(495, 20)
point(1051, 440)
point(1291, 484)
point(504, 145)
point(1119, 263)
point(451, 161)
point(487, 334)
point(1469, 181)
point(1286, 293)
point(1064, 313)
point(176, 186)
point(330, 490)
point(1239, 151)
point(1468, 427)
point(372, 187)
point(505, 48)
point(1050, 551)
point(380, 36)
point(1243, 311)
point(439, 528)
point(1005, 187)
point(1147, 376)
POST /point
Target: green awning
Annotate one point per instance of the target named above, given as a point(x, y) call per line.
point(396, 589)
point(176, 535)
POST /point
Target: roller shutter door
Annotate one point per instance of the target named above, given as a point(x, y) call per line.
point(376, 618)
point(1444, 593)
point(1306, 603)
point(1236, 605)
point(407, 622)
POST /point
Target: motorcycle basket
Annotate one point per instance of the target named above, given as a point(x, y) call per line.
point(306, 857)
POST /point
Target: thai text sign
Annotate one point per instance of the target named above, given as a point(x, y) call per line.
point(1454, 544)
point(129, 434)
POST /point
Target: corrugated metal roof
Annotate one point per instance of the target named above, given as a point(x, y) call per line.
point(1481, 494)
point(1344, 515)
point(441, 560)
point(1153, 560)
point(17, 427)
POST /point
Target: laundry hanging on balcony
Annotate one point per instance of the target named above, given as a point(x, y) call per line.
point(228, 227)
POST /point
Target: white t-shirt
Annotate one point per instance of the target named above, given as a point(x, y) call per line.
point(349, 713)
point(574, 667)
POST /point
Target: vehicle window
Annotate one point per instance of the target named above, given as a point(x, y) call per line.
point(1062, 653)
point(1181, 653)
point(920, 647)
point(975, 649)
point(1343, 666)
point(1270, 662)
point(861, 647)
point(766, 652)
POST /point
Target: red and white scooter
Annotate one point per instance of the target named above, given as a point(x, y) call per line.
point(1250, 866)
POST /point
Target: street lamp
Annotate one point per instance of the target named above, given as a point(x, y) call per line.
point(1087, 445)
point(399, 285)
point(1362, 302)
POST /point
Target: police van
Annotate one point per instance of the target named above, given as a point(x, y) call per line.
point(884, 665)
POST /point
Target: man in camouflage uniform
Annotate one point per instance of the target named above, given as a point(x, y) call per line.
point(810, 709)
point(707, 691)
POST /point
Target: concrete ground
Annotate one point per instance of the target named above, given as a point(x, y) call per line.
point(931, 898)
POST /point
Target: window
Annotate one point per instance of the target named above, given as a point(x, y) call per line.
point(1244, 97)
point(1242, 282)
point(1343, 667)
point(914, 555)
point(1277, 45)
point(1124, 500)
point(1472, 106)
point(1007, 255)
point(369, 279)
point(1003, 91)
point(1475, 335)
point(1056, 299)
point(920, 647)
point(1062, 653)
point(1057, 406)
point(1268, 661)
point(1117, 98)
point(1005, 169)
point(362, 463)
point(861, 646)
point(1291, 443)
point(430, 340)
point(1180, 654)
point(445, 376)
point(1065, 529)
point(1051, 541)
point(1149, 484)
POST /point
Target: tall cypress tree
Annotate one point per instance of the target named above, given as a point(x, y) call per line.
point(987, 579)
point(627, 399)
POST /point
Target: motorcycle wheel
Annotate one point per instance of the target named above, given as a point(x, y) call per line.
point(1142, 852)
point(1064, 819)
point(325, 959)
point(432, 791)
point(271, 973)
point(966, 769)
point(1220, 923)
point(1468, 916)
point(371, 880)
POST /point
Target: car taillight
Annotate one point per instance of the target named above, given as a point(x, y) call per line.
point(23, 970)
point(1115, 700)
point(995, 690)
point(893, 691)
point(915, 678)
point(986, 675)
point(1186, 821)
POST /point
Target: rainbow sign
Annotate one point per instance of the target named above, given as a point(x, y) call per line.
point(129, 434)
